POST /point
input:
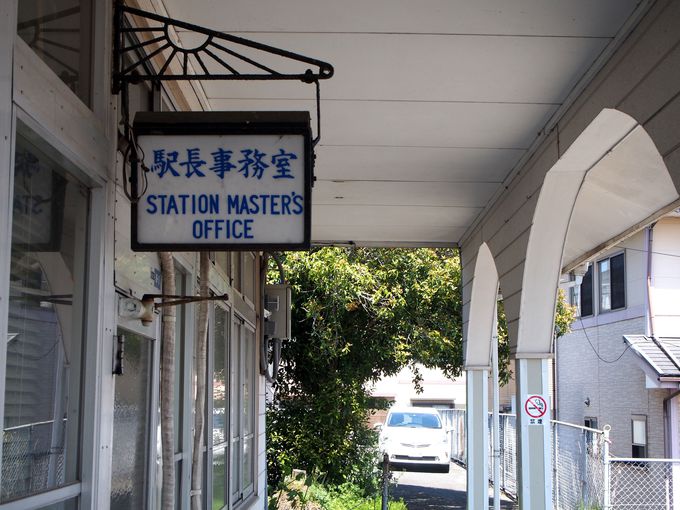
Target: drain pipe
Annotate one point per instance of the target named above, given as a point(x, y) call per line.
point(649, 235)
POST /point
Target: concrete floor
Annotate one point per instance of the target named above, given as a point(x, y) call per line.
point(432, 491)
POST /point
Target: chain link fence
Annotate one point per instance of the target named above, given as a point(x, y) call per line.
point(644, 483)
point(585, 476)
point(31, 462)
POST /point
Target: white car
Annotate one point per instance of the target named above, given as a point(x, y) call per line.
point(415, 436)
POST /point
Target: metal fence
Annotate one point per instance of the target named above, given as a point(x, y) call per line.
point(454, 420)
point(585, 476)
point(644, 483)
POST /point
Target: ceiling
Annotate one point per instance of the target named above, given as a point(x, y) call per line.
point(432, 105)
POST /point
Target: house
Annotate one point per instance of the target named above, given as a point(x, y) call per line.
point(620, 365)
point(436, 390)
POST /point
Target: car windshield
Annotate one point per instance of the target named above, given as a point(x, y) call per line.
point(415, 420)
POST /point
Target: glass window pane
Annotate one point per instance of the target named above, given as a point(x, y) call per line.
point(605, 285)
point(249, 276)
point(639, 432)
point(219, 384)
point(618, 282)
point(45, 326)
point(219, 479)
point(179, 361)
point(131, 426)
point(71, 504)
point(586, 293)
point(236, 257)
point(249, 399)
point(60, 33)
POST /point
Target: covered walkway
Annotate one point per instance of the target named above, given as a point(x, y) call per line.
point(531, 135)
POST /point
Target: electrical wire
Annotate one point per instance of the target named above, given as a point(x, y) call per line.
point(585, 332)
point(647, 251)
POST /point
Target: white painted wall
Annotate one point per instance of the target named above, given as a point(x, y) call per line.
point(436, 388)
point(665, 284)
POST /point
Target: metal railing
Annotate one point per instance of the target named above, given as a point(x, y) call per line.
point(644, 483)
point(585, 476)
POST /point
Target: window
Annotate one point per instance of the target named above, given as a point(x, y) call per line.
point(41, 429)
point(582, 295)
point(639, 425)
point(219, 407)
point(242, 411)
point(590, 422)
point(612, 283)
point(130, 480)
point(60, 33)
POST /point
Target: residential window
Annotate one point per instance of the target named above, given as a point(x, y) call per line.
point(582, 295)
point(612, 283)
point(47, 304)
point(60, 33)
point(639, 425)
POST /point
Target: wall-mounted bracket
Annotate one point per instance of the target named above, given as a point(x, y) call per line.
point(179, 300)
point(229, 57)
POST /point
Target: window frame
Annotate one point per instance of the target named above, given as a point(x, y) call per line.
point(94, 317)
point(238, 493)
point(643, 446)
point(597, 281)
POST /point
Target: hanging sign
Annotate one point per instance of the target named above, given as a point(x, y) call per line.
point(222, 181)
point(536, 409)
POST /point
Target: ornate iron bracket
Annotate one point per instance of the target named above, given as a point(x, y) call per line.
point(218, 49)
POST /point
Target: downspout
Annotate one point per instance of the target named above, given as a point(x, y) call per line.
point(649, 237)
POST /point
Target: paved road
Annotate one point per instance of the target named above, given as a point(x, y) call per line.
point(433, 491)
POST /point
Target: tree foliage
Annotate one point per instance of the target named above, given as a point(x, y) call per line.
point(357, 315)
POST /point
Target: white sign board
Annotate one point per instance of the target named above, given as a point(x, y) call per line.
point(218, 181)
point(535, 409)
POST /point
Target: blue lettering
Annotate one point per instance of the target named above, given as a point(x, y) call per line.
point(275, 205)
point(298, 200)
point(233, 204)
point(285, 204)
point(254, 205)
point(197, 229)
point(248, 229)
point(150, 199)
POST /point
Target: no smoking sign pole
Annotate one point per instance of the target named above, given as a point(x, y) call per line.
point(536, 410)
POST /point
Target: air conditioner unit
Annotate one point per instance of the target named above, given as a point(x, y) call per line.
point(277, 302)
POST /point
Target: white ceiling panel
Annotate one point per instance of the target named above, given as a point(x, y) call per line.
point(409, 124)
point(425, 194)
point(423, 235)
point(432, 105)
point(414, 163)
point(426, 67)
point(574, 18)
point(339, 215)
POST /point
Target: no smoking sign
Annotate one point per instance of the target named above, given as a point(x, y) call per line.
point(536, 409)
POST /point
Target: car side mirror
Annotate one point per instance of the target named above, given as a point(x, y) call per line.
point(378, 427)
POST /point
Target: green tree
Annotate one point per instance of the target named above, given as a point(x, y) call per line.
point(358, 314)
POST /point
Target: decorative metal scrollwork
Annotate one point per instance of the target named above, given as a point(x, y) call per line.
point(229, 57)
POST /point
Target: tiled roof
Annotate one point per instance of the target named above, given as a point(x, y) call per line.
point(662, 354)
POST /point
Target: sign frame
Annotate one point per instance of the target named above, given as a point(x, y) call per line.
point(232, 124)
point(541, 418)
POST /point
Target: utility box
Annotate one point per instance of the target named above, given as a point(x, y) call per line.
point(277, 302)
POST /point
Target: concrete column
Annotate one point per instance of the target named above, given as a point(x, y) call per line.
point(477, 438)
point(534, 470)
